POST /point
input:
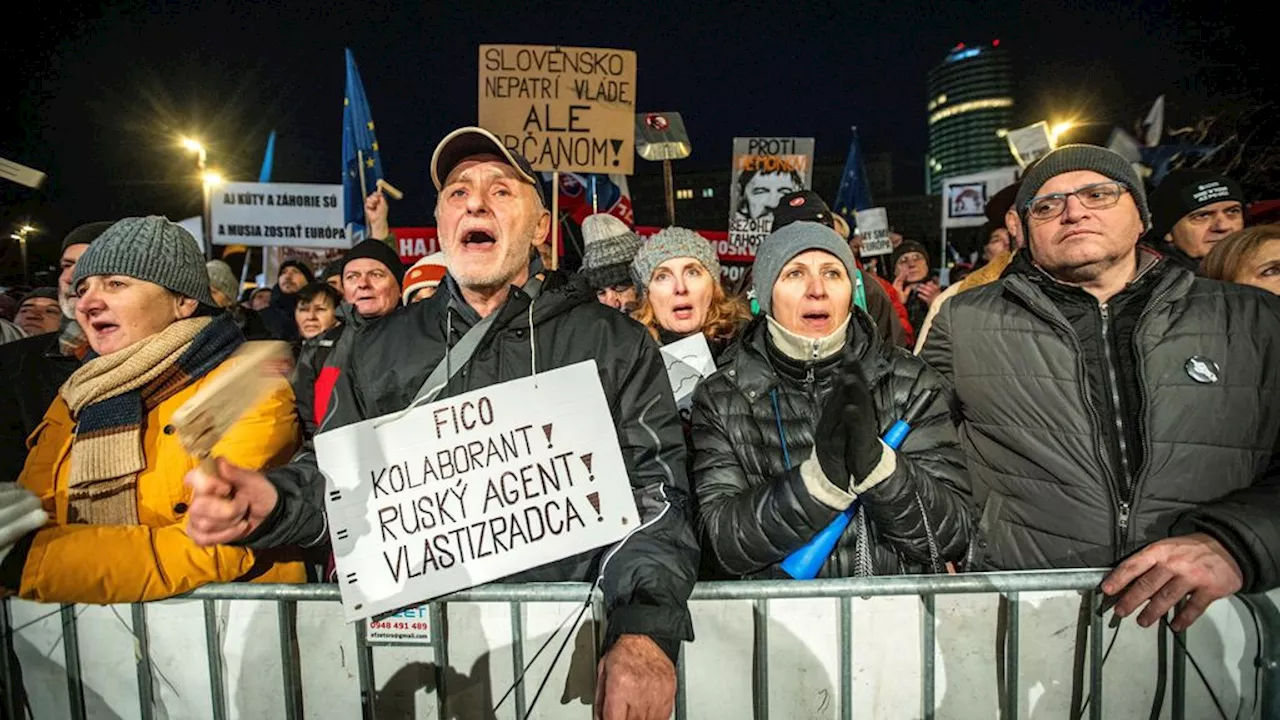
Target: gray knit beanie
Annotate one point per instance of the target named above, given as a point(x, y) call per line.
point(609, 248)
point(668, 243)
point(152, 249)
point(781, 246)
point(1069, 158)
point(221, 277)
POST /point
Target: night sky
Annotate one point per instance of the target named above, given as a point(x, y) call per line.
point(96, 96)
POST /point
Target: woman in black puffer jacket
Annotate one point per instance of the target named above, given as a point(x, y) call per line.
point(786, 433)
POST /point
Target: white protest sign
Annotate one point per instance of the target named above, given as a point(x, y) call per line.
point(964, 197)
point(563, 108)
point(764, 170)
point(410, 626)
point(278, 214)
point(466, 490)
point(688, 361)
point(21, 174)
point(873, 226)
point(1030, 143)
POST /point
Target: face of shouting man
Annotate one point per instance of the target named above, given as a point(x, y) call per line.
point(488, 218)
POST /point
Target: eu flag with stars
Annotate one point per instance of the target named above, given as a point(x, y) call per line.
point(358, 144)
point(854, 193)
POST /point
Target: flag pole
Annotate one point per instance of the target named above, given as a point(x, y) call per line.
point(364, 191)
point(668, 183)
point(555, 219)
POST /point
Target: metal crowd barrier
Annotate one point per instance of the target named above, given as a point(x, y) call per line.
point(760, 593)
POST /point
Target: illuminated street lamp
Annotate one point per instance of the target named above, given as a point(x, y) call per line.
point(1057, 131)
point(201, 152)
point(21, 237)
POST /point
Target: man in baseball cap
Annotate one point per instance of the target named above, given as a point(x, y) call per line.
point(1191, 210)
point(1116, 409)
point(490, 215)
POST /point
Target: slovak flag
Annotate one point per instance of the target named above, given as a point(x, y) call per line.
point(611, 193)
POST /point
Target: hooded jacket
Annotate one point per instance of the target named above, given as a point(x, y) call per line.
point(78, 563)
point(1094, 429)
point(646, 578)
point(755, 508)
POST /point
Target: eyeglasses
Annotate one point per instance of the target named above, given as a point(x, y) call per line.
point(1098, 196)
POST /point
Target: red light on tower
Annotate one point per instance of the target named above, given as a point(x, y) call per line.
point(959, 46)
point(995, 43)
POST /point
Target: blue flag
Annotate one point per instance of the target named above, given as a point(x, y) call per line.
point(360, 154)
point(268, 159)
point(1161, 158)
point(854, 193)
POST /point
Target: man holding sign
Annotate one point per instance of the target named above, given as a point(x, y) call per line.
point(491, 215)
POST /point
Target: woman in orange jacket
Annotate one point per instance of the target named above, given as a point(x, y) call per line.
point(99, 513)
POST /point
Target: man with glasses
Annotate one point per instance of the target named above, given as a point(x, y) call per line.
point(1116, 410)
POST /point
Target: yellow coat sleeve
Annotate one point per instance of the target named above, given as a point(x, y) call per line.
point(138, 563)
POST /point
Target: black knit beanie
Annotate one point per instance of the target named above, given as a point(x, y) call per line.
point(301, 267)
point(1184, 191)
point(85, 234)
point(377, 250)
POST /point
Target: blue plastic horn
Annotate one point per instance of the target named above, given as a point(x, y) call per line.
point(804, 563)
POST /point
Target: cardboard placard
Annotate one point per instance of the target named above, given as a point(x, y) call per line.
point(466, 490)
point(278, 214)
point(563, 108)
point(873, 226)
point(764, 169)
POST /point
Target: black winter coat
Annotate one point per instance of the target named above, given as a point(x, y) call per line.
point(32, 371)
point(278, 316)
point(754, 507)
point(646, 578)
point(1206, 367)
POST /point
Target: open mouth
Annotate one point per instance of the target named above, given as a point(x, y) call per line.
point(682, 312)
point(478, 239)
point(817, 318)
point(103, 327)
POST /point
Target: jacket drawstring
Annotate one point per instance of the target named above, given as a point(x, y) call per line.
point(782, 436)
point(533, 347)
point(448, 340)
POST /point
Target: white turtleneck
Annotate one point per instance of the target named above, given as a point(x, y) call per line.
point(806, 349)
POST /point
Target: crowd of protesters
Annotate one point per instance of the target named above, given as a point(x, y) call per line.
point(1101, 390)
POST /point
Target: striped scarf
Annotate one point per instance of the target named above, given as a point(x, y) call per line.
point(109, 397)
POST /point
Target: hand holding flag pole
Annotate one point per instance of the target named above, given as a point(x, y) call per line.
point(804, 564)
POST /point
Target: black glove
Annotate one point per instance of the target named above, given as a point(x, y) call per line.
point(846, 440)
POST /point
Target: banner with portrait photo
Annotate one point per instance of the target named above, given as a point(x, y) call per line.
point(964, 197)
point(764, 169)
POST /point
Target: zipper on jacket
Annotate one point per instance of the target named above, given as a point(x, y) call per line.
point(1126, 490)
point(1118, 503)
point(1142, 409)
